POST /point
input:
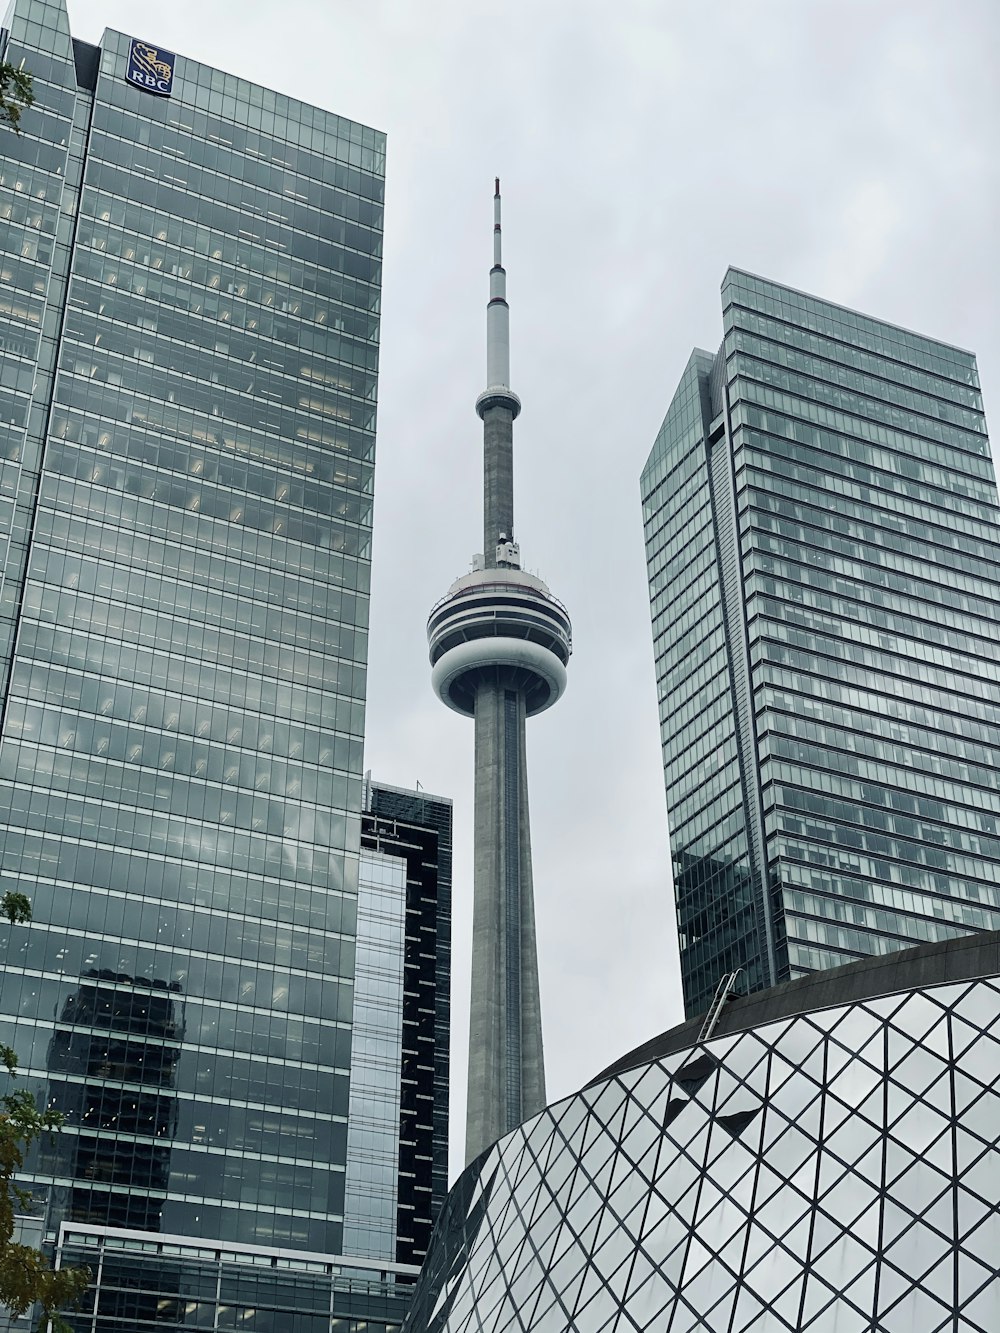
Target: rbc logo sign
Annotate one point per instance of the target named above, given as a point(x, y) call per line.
point(150, 68)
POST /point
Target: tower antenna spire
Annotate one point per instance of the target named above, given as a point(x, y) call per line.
point(498, 441)
point(498, 392)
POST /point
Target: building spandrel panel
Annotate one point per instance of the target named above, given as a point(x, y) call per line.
point(187, 572)
point(852, 551)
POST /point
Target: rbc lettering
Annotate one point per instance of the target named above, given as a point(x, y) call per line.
point(148, 81)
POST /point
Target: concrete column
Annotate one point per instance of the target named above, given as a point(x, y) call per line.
point(506, 1066)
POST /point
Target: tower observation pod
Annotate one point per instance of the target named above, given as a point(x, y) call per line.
point(499, 646)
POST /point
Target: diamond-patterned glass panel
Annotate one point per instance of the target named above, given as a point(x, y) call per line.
point(834, 1172)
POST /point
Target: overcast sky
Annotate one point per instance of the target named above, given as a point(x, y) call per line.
point(844, 147)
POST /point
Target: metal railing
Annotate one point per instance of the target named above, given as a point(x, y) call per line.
point(723, 993)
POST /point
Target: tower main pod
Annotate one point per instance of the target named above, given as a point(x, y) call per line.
point(499, 645)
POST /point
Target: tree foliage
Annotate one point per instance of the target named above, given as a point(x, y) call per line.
point(15, 96)
point(25, 1273)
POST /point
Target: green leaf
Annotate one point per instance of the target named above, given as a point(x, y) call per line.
point(26, 1277)
point(15, 96)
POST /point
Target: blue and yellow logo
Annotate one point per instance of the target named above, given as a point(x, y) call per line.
point(150, 68)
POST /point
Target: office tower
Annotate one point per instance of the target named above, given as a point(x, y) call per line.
point(402, 1122)
point(190, 309)
point(499, 644)
point(828, 1159)
point(396, 1175)
point(821, 535)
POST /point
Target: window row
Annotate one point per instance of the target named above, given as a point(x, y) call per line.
point(210, 809)
point(60, 930)
point(295, 680)
point(317, 581)
point(886, 340)
point(891, 382)
point(814, 838)
point(186, 126)
point(900, 778)
point(218, 280)
point(816, 526)
point(207, 1027)
point(107, 403)
point(934, 619)
point(311, 851)
point(99, 324)
point(852, 639)
point(75, 504)
point(935, 828)
point(35, 995)
point(319, 627)
point(225, 303)
point(908, 457)
point(78, 700)
point(878, 512)
point(166, 630)
point(110, 194)
point(879, 878)
point(879, 671)
point(783, 467)
point(748, 374)
point(921, 750)
point(910, 910)
point(261, 190)
point(877, 586)
point(886, 568)
point(258, 904)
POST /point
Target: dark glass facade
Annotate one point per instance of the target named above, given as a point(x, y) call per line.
point(189, 313)
point(823, 550)
point(833, 1170)
point(413, 829)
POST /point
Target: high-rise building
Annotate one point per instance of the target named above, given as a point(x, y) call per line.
point(823, 550)
point(396, 1177)
point(499, 645)
point(189, 309)
point(406, 850)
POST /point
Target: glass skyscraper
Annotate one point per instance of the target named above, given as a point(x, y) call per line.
point(189, 313)
point(823, 551)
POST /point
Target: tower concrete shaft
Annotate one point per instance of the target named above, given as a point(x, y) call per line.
point(506, 1067)
point(499, 645)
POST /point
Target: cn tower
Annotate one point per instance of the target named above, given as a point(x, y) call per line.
point(499, 645)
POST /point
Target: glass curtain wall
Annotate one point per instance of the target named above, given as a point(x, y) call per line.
point(189, 506)
point(846, 614)
point(717, 917)
point(373, 1129)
